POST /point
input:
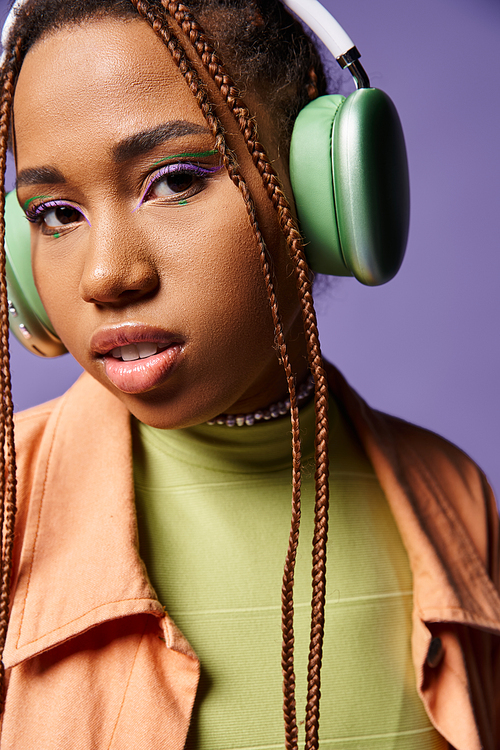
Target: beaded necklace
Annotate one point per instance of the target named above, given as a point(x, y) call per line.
point(274, 411)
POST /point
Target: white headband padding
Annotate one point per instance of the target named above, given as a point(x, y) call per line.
point(323, 24)
point(7, 27)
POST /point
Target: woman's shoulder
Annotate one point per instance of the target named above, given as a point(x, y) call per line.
point(401, 441)
point(30, 421)
point(430, 483)
point(30, 424)
point(29, 428)
point(65, 428)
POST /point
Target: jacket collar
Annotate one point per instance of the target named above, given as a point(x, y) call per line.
point(80, 527)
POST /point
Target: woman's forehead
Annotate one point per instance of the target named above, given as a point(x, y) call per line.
point(103, 74)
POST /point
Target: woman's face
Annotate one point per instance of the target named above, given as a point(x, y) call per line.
point(142, 249)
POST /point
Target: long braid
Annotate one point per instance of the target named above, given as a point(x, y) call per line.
point(247, 126)
point(7, 452)
point(151, 14)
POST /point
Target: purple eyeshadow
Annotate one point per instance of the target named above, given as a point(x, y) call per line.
point(194, 169)
point(34, 213)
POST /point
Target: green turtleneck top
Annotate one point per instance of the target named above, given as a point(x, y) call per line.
point(213, 509)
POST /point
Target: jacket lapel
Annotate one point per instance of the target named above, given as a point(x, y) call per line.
point(434, 492)
point(80, 528)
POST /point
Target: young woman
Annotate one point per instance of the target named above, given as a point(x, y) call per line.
point(153, 498)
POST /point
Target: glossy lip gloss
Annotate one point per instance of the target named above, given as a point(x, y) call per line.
point(142, 375)
point(138, 375)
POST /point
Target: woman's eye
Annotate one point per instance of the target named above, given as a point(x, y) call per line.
point(181, 179)
point(61, 215)
point(172, 184)
point(53, 216)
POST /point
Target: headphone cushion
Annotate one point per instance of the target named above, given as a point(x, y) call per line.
point(27, 317)
point(311, 176)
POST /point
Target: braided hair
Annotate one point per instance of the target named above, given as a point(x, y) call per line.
point(258, 48)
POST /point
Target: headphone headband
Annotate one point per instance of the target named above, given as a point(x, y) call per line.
point(323, 24)
point(9, 23)
point(333, 36)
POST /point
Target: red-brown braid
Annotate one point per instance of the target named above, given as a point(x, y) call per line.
point(229, 92)
point(7, 452)
point(151, 14)
point(313, 84)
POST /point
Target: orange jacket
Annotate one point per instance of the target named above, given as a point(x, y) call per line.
point(96, 663)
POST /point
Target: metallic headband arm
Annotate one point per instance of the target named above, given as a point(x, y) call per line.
point(332, 35)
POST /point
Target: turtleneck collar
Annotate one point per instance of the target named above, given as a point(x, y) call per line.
point(261, 447)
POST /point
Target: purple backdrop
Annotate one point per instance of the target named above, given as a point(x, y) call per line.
point(424, 346)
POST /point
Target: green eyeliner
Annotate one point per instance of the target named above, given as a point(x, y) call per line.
point(186, 156)
point(30, 200)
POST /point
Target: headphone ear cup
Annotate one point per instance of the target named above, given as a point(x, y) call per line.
point(311, 176)
point(369, 195)
point(28, 320)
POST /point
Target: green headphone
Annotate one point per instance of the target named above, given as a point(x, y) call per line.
point(349, 170)
point(349, 176)
point(28, 320)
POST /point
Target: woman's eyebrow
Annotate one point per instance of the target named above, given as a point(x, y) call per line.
point(146, 140)
point(39, 176)
point(129, 148)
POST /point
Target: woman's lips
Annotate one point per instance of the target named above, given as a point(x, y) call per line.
point(140, 375)
point(137, 358)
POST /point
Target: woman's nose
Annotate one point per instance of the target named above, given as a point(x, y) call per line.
point(117, 270)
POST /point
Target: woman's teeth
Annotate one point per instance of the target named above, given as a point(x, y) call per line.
point(136, 351)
